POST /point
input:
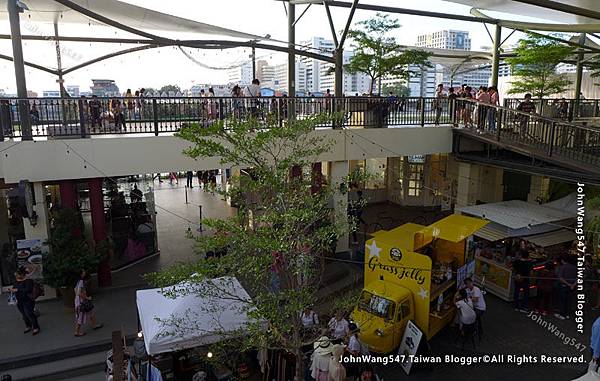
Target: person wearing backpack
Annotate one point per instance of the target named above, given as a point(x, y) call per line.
point(24, 293)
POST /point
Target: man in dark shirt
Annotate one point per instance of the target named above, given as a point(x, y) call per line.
point(452, 96)
point(95, 111)
point(526, 106)
point(521, 273)
point(567, 278)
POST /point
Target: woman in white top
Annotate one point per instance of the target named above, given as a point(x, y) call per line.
point(82, 314)
point(309, 318)
point(466, 312)
point(321, 357)
point(338, 326)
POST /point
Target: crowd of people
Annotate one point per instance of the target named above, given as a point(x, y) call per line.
point(330, 352)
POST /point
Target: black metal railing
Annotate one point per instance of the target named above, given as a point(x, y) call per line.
point(561, 108)
point(540, 134)
point(85, 117)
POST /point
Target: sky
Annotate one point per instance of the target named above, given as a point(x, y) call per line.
point(157, 67)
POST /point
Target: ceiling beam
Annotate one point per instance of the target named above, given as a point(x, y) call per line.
point(414, 12)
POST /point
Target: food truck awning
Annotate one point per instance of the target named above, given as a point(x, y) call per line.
point(199, 320)
point(453, 228)
point(522, 218)
point(402, 236)
point(493, 232)
point(552, 238)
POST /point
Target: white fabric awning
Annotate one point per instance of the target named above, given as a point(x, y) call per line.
point(131, 15)
point(517, 214)
point(493, 232)
point(528, 10)
point(552, 238)
point(199, 320)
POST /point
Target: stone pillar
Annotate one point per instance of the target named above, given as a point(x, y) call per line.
point(339, 173)
point(99, 228)
point(3, 218)
point(538, 189)
point(468, 184)
point(41, 229)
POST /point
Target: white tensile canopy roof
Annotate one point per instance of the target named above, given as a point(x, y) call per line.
point(523, 9)
point(190, 320)
point(130, 15)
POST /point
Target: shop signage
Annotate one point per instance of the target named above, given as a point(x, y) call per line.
point(416, 159)
point(396, 254)
point(401, 272)
point(409, 345)
point(30, 255)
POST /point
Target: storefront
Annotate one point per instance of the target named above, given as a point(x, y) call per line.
point(515, 226)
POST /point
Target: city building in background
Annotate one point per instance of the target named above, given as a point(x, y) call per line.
point(313, 66)
point(424, 82)
point(104, 88)
point(241, 75)
point(357, 83)
point(280, 77)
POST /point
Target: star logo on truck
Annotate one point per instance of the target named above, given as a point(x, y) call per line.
point(373, 249)
point(423, 293)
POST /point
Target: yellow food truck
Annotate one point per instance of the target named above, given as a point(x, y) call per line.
point(411, 274)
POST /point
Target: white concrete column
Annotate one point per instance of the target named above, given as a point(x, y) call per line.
point(468, 184)
point(538, 188)
point(41, 229)
point(339, 173)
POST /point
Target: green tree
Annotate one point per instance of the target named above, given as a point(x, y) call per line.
point(167, 88)
point(398, 90)
point(377, 54)
point(535, 66)
point(277, 243)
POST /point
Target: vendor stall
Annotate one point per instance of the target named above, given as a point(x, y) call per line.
point(515, 226)
point(172, 325)
point(410, 275)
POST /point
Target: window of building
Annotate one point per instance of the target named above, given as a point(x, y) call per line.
point(415, 179)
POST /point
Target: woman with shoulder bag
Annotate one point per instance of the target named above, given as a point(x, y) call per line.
point(23, 290)
point(84, 308)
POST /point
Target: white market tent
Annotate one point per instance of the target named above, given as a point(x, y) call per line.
point(518, 218)
point(189, 319)
point(127, 14)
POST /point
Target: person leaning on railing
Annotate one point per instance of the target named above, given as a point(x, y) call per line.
point(525, 106)
point(5, 119)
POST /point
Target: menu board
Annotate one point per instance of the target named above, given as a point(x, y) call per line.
point(30, 255)
point(409, 345)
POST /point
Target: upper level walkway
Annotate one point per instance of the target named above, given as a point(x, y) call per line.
point(551, 140)
point(369, 128)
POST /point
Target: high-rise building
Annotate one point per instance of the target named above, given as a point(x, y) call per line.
point(313, 66)
point(280, 77)
point(241, 75)
point(425, 83)
point(266, 75)
point(104, 88)
point(352, 83)
point(445, 39)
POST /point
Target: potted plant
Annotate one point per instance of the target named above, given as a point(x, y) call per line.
point(69, 254)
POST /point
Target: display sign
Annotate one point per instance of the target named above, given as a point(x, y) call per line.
point(30, 255)
point(409, 345)
point(416, 159)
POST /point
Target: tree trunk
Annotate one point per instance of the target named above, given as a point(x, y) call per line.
point(299, 366)
point(379, 90)
point(371, 87)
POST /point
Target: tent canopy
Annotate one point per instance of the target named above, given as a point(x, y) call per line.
point(189, 320)
point(130, 15)
point(529, 10)
point(520, 218)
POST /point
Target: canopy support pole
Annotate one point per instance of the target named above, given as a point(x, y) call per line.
point(291, 57)
point(578, 74)
point(496, 55)
point(63, 92)
point(15, 31)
